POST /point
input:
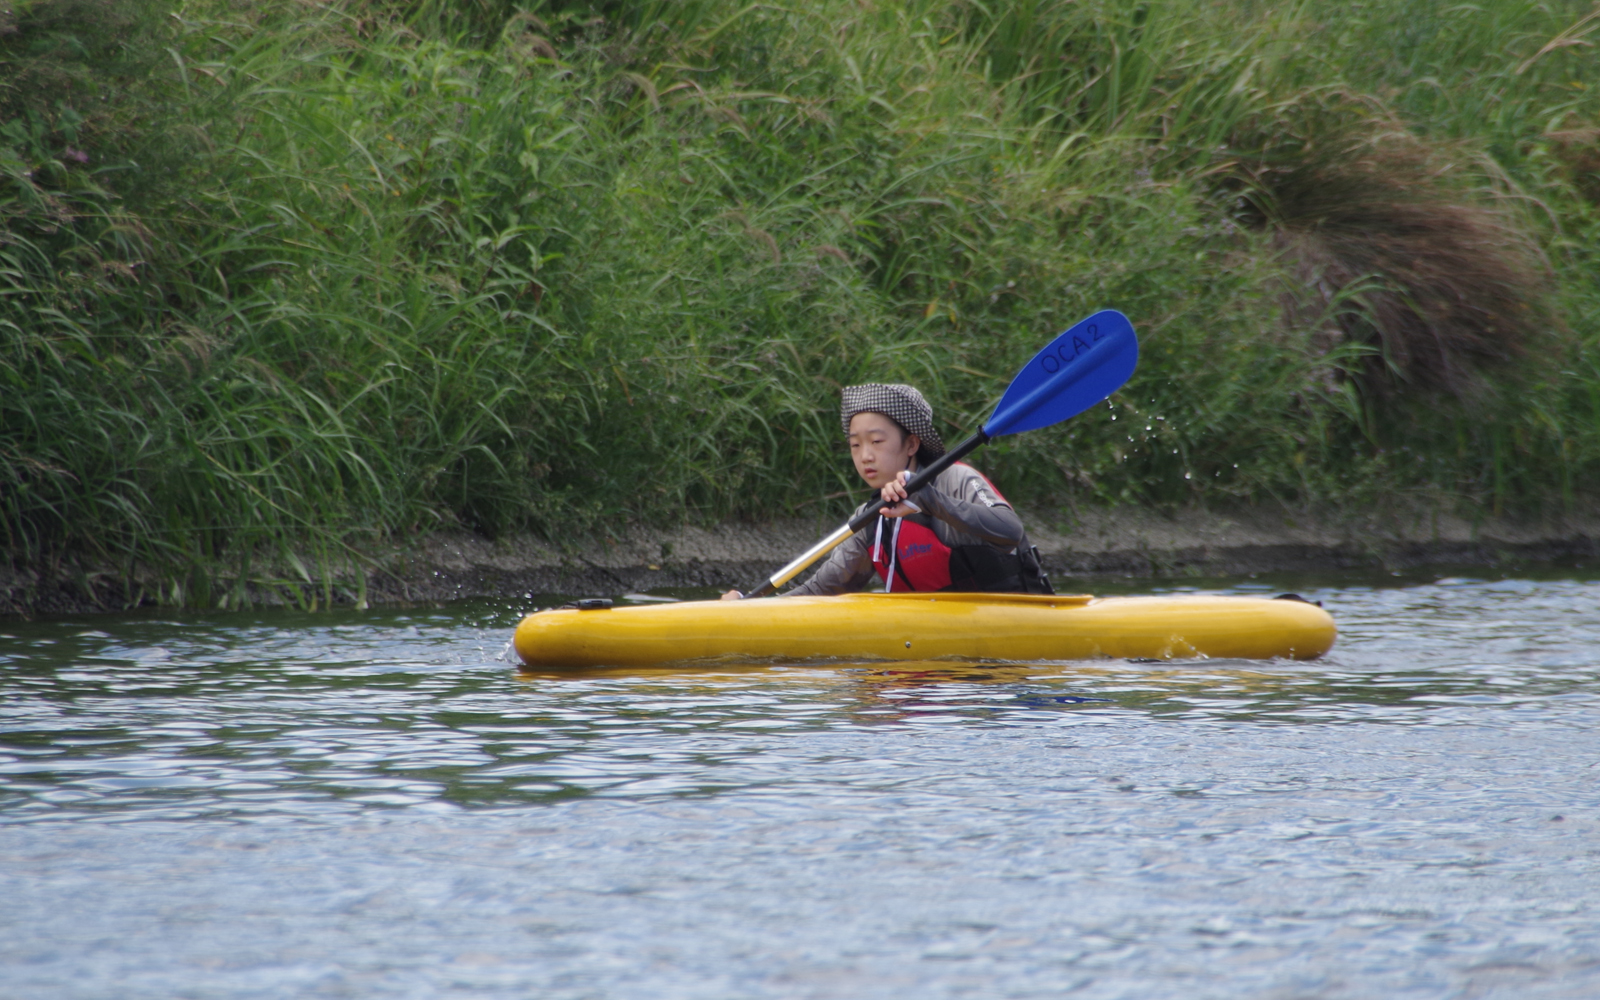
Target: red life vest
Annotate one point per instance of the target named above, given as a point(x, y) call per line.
point(913, 558)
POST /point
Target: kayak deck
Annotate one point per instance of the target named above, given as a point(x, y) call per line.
point(924, 626)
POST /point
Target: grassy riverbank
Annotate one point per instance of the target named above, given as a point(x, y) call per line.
point(277, 279)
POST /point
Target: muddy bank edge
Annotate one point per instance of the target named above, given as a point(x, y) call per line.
point(1078, 549)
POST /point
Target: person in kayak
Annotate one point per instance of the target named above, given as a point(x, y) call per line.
point(957, 534)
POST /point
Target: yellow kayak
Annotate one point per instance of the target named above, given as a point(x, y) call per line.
point(912, 626)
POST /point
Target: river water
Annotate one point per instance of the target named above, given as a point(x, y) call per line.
point(375, 804)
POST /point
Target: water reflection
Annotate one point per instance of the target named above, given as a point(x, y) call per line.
point(376, 803)
point(259, 715)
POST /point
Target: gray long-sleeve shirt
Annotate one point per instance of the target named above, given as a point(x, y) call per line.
point(966, 510)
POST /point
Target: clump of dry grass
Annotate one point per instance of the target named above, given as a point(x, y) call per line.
point(1577, 155)
point(1433, 271)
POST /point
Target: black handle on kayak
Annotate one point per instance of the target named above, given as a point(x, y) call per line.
point(867, 516)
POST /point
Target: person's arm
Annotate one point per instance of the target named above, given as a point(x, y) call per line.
point(848, 569)
point(984, 515)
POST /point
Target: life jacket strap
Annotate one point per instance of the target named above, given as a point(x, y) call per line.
point(894, 552)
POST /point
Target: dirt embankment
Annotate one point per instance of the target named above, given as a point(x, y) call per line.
point(1089, 546)
point(1079, 549)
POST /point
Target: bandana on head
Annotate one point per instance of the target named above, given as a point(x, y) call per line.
point(900, 403)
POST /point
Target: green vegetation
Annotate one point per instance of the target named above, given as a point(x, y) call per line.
point(281, 279)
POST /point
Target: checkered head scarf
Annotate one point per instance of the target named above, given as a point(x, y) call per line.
point(900, 403)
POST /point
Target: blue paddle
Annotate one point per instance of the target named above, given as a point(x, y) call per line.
point(1075, 371)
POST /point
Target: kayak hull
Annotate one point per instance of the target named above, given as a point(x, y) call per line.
point(913, 626)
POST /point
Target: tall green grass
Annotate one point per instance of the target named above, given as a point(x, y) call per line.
point(329, 279)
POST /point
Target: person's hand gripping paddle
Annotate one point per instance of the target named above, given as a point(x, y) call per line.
point(1075, 371)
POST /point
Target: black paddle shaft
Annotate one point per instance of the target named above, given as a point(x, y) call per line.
point(867, 516)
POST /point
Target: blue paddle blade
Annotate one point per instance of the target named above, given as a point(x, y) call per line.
point(1077, 370)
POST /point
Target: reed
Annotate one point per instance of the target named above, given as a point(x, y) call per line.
point(278, 281)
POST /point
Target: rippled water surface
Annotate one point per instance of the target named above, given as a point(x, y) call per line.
point(375, 804)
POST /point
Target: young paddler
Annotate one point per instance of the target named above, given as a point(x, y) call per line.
point(956, 534)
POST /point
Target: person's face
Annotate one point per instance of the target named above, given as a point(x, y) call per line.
point(880, 448)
